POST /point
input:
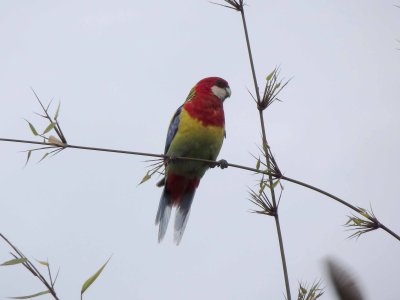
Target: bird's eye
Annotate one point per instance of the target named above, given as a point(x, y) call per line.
point(220, 83)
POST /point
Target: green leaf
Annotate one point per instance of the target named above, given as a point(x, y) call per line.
point(270, 75)
point(32, 128)
point(28, 156)
point(31, 296)
point(57, 111)
point(92, 278)
point(262, 187)
point(145, 178)
point(48, 128)
point(42, 262)
point(363, 212)
point(275, 183)
point(14, 261)
point(258, 164)
point(43, 157)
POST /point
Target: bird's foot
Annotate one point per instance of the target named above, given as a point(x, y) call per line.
point(222, 163)
point(212, 165)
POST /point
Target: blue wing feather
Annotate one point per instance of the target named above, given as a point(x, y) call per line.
point(164, 208)
point(173, 128)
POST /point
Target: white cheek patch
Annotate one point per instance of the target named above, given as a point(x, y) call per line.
point(219, 92)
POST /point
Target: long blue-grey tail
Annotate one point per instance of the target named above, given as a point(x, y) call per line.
point(163, 214)
point(181, 214)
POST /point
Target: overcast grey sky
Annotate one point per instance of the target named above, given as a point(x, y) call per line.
point(121, 68)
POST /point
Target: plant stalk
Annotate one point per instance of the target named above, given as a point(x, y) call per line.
point(267, 153)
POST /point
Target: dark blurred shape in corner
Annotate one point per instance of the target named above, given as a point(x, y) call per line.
point(344, 283)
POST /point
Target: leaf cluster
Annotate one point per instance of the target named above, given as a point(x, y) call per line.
point(20, 259)
point(58, 143)
point(273, 87)
point(154, 169)
point(261, 199)
point(310, 293)
point(361, 225)
point(232, 4)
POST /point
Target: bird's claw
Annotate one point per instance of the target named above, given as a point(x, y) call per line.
point(223, 164)
point(220, 163)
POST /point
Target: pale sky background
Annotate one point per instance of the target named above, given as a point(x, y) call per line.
point(121, 68)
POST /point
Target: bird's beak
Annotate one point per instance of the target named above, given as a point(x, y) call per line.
point(228, 92)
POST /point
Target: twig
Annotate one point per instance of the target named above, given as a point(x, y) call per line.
point(211, 162)
point(28, 264)
point(358, 210)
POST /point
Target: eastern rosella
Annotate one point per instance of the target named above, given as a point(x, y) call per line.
point(197, 130)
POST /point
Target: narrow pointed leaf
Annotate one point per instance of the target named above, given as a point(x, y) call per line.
point(262, 187)
point(348, 221)
point(14, 261)
point(44, 156)
point(145, 178)
point(32, 128)
point(57, 111)
point(48, 128)
point(48, 105)
point(31, 296)
point(270, 75)
point(42, 262)
point(28, 156)
point(258, 164)
point(275, 184)
point(92, 278)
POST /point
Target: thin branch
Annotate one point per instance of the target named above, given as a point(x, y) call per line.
point(358, 210)
point(211, 162)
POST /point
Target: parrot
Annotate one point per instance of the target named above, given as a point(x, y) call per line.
point(196, 130)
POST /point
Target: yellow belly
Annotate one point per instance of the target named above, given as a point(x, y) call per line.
point(193, 139)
